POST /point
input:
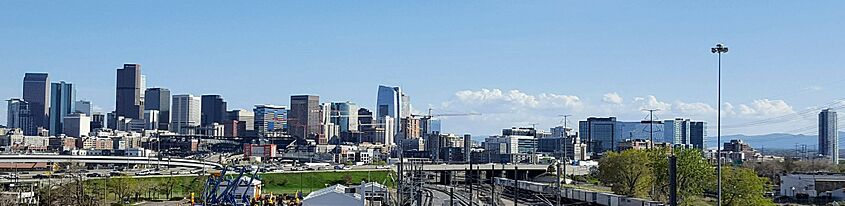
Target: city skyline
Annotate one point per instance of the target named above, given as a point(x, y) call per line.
point(550, 64)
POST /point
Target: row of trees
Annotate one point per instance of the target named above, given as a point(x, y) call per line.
point(79, 191)
point(645, 174)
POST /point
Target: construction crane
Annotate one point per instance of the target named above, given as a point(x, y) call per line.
point(429, 115)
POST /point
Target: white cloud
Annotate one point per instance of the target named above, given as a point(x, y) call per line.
point(612, 98)
point(765, 107)
point(518, 99)
point(651, 102)
point(693, 109)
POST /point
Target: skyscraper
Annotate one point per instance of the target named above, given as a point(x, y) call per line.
point(829, 135)
point(83, 106)
point(269, 119)
point(62, 100)
point(76, 125)
point(36, 92)
point(128, 101)
point(213, 109)
point(159, 99)
point(345, 115)
point(392, 102)
point(698, 132)
point(676, 131)
point(20, 116)
point(185, 114)
point(245, 122)
point(305, 118)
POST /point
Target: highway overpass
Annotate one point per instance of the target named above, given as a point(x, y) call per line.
point(176, 162)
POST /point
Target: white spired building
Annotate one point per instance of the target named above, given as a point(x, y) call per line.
point(828, 135)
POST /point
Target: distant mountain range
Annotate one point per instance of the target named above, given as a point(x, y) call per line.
point(774, 141)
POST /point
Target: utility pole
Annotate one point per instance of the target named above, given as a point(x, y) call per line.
point(515, 185)
point(719, 49)
point(562, 156)
point(651, 126)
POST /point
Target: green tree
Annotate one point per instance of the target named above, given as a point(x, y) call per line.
point(741, 186)
point(627, 172)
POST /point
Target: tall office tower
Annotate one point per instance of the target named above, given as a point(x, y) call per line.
point(83, 106)
point(36, 92)
point(128, 101)
point(213, 109)
point(329, 131)
point(467, 147)
point(245, 125)
point(829, 135)
point(20, 116)
point(185, 114)
point(698, 132)
point(391, 102)
point(305, 118)
point(62, 100)
point(98, 121)
point(676, 131)
point(385, 133)
point(405, 105)
point(159, 99)
point(345, 115)
point(365, 119)
point(599, 134)
point(270, 120)
point(151, 118)
point(76, 125)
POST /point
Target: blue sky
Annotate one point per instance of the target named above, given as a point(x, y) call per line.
point(516, 62)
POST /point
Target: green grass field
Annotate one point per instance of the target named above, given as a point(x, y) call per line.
point(276, 183)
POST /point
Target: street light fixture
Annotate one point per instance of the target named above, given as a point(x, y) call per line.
point(719, 49)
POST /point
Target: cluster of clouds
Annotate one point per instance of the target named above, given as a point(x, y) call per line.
point(510, 107)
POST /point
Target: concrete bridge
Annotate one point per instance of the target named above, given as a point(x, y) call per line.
point(107, 160)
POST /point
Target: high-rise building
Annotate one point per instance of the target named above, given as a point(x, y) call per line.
point(698, 132)
point(77, 125)
point(244, 122)
point(213, 109)
point(391, 102)
point(829, 135)
point(270, 120)
point(159, 99)
point(19, 115)
point(128, 101)
point(83, 106)
point(151, 118)
point(410, 128)
point(36, 92)
point(185, 114)
point(677, 131)
point(305, 118)
point(98, 121)
point(329, 131)
point(62, 100)
point(345, 115)
point(604, 134)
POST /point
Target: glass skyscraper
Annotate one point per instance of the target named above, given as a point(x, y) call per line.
point(829, 135)
point(36, 92)
point(20, 116)
point(345, 115)
point(270, 118)
point(159, 99)
point(62, 100)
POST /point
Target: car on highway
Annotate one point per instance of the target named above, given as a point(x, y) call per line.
point(41, 176)
point(94, 175)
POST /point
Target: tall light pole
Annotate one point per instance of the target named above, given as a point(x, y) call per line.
point(719, 49)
